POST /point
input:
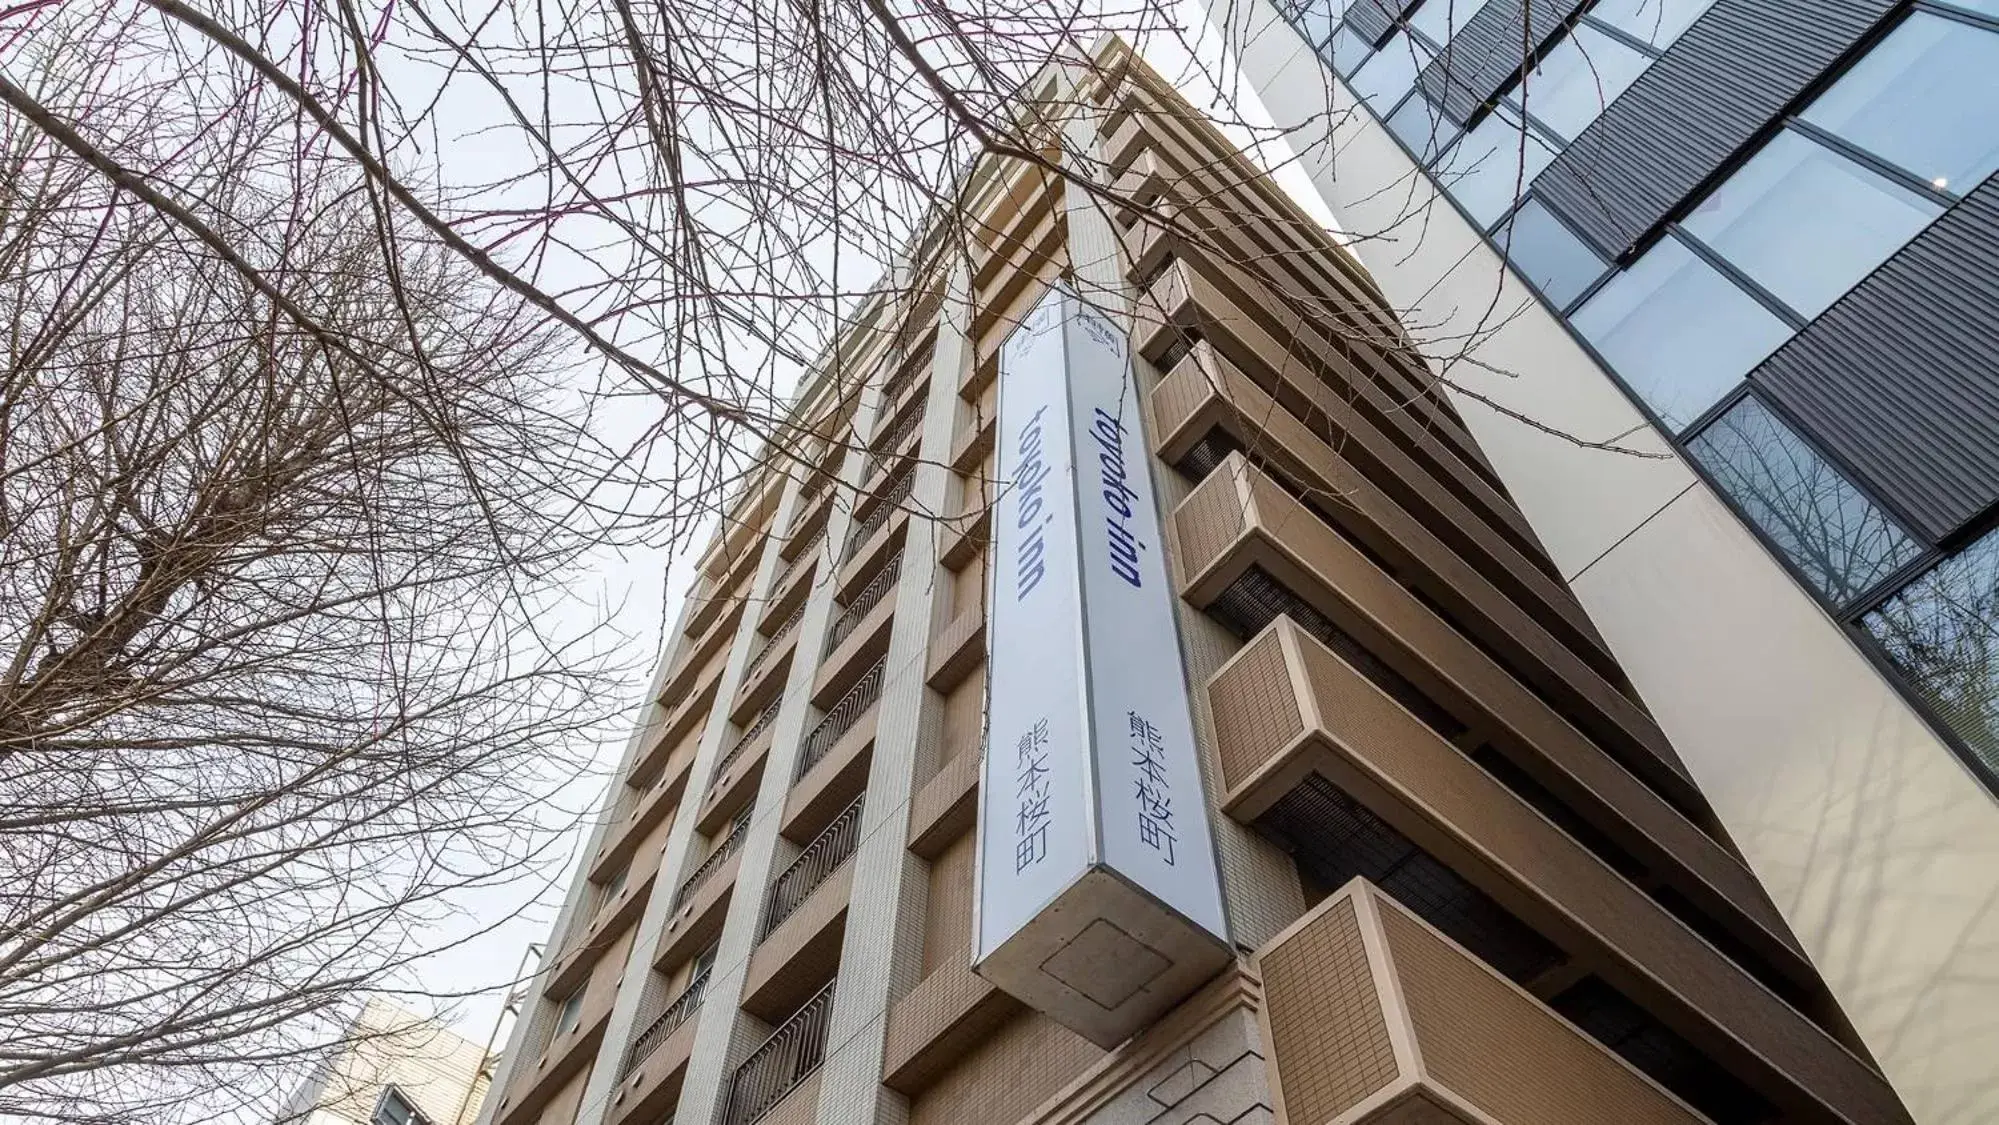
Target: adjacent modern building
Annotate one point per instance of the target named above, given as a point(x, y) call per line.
point(1757, 243)
point(394, 1068)
point(1146, 693)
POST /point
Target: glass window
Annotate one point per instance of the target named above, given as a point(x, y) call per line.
point(1574, 81)
point(1492, 165)
point(571, 1013)
point(1345, 51)
point(1679, 332)
point(1828, 529)
point(1383, 79)
point(1657, 22)
point(1923, 99)
point(1548, 254)
point(1942, 633)
point(1441, 20)
point(1422, 126)
point(1316, 18)
point(394, 1109)
point(1806, 222)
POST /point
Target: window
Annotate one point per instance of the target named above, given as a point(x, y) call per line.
point(1441, 20)
point(1422, 126)
point(395, 1109)
point(1346, 51)
point(1548, 254)
point(1317, 18)
point(1383, 79)
point(1807, 223)
point(1831, 532)
point(1572, 83)
point(1679, 332)
point(615, 883)
point(1923, 100)
point(1657, 22)
point(1487, 170)
point(1942, 633)
point(570, 1014)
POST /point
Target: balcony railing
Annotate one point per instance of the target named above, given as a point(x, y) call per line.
point(841, 718)
point(786, 1059)
point(885, 509)
point(821, 858)
point(749, 735)
point(731, 844)
point(800, 560)
point(865, 601)
point(880, 452)
point(770, 643)
point(667, 1022)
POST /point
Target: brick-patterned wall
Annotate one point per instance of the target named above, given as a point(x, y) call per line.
point(964, 716)
point(948, 914)
point(561, 1109)
point(1017, 1068)
point(1255, 708)
point(1506, 1054)
point(1327, 1029)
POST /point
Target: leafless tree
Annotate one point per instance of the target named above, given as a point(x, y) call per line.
point(299, 298)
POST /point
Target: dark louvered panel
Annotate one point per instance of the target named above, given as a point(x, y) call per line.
point(1488, 50)
point(1372, 20)
point(1901, 377)
point(1732, 73)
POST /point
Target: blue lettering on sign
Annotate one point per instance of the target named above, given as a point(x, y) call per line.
point(1118, 497)
point(1029, 566)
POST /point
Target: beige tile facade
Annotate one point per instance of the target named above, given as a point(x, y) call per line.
point(1430, 780)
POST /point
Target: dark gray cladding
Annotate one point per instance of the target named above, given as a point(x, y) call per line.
point(1730, 75)
point(1373, 19)
point(1900, 379)
point(1488, 51)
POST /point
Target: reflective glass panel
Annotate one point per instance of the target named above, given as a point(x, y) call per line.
point(1942, 633)
point(1345, 51)
point(1442, 19)
point(1830, 531)
point(1548, 254)
point(1581, 75)
point(1422, 126)
point(1316, 18)
point(1657, 22)
point(1488, 169)
point(1383, 79)
point(1806, 222)
point(1679, 332)
point(1923, 99)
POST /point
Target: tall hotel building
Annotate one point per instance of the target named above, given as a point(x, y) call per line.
point(1323, 779)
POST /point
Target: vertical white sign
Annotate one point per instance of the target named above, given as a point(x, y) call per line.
point(1090, 756)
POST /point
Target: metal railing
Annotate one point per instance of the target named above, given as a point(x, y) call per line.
point(731, 844)
point(760, 724)
point(821, 858)
point(667, 1022)
point(802, 559)
point(864, 602)
point(770, 643)
point(784, 1060)
point(890, 444)
point(891, 499)
point(817, 482)
point(841, 718)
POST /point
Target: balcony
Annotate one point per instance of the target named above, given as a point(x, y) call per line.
point(784, 1068)
point(765, 675)
point(879, 531)
point(789, 590)
point(655, 1065)
point(701, 900)
point(1207, 407)
point(901, 387)
point(947, 806)
point(804, 921)
point(697, 653)
point(738, 772)
point(1249, 552)
point(1372, 1017)
point(957, 649)
point(810, 522)
point(947, 1015)
point(1313, 751)
point(647, 810)
point(894, 445)
point(965, 534)
point(859, 636)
